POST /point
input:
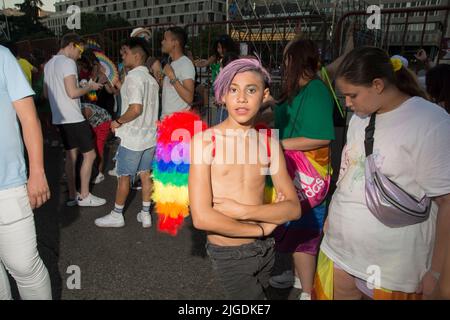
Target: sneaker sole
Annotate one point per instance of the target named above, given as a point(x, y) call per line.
point(90, 205)
point(143, 225)
point(110, 226)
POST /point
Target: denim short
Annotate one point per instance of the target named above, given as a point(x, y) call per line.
point(130, 162)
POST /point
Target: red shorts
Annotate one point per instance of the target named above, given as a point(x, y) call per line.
point(101, 134)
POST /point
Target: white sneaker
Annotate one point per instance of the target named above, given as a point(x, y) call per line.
point(99, 178)
point(111, 220)
point(90, 201)
point(304, 296)
point(285, 280)
point(113, 172)
point(145, 218)
point(297, 283)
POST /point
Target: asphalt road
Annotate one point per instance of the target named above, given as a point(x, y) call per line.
point(121, 263)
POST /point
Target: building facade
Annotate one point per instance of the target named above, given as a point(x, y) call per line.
point(396, 29)
point(143, 12)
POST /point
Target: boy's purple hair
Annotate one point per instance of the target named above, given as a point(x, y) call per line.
point(226, 76)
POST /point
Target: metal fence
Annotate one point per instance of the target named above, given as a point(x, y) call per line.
point(402, 31)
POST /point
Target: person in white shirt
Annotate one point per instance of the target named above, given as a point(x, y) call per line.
point(63, 91)
point(411, 148)
point(136, 128)
point(179, 74)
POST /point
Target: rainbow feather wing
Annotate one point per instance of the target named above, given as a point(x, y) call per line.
point(171, 170)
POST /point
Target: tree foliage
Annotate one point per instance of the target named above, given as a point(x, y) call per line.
point(31, 9)
point(205, 39)
point(28, 26)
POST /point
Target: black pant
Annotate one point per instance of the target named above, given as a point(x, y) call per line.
point(244, 271)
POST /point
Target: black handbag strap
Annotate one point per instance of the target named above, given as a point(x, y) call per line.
point(370, 130)
point(294, 124)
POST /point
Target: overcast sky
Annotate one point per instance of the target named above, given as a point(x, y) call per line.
point(48, 4)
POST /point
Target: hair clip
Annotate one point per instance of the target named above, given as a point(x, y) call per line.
point(396, 64)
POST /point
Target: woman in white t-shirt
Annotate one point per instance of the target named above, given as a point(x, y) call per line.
point(360, 256)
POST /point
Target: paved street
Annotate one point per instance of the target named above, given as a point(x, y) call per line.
point(125, 263)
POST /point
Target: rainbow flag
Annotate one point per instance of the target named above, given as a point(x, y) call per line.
point(324, 284)
point(171, 169)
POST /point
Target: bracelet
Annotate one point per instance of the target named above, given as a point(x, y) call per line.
point(262, 229)
point(120, 123)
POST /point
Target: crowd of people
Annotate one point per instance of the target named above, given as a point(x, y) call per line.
point(399, 129)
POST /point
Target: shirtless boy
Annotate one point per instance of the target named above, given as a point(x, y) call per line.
point(226, 194)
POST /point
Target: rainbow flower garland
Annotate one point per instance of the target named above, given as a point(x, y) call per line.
point(92, 96)
point(171, 171)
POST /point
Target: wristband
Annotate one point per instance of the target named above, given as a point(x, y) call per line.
point(173, 81)
point(120, 123)
point(262, 229)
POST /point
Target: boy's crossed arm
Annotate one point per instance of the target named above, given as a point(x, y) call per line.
point(286, 208)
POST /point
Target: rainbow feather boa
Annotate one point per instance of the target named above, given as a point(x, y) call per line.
point(170, 176)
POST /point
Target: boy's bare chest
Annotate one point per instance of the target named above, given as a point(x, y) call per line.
point(238, 168)
point(243, 183)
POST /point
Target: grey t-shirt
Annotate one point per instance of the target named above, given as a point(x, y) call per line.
point(171, 101)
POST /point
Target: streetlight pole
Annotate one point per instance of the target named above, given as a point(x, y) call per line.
point(6, 20)
point(227, 7)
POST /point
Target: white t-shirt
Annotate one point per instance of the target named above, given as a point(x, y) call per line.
point(422, 81)
point(412, 148)
point(171, 101)
point(64, 109)
point(141, 88)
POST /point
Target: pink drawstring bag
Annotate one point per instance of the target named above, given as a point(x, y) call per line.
point(311, 187)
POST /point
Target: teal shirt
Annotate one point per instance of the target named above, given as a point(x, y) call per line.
point(215, 69)
point(309, 115)
point(314, 106)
